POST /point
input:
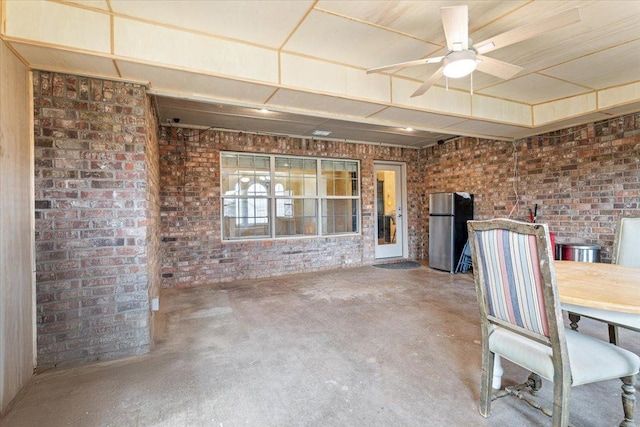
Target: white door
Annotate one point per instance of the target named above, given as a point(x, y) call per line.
point(389, 210)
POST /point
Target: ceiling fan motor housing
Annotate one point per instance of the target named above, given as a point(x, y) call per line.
point(459, 63)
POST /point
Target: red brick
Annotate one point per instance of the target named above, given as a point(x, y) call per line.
point(76, 232)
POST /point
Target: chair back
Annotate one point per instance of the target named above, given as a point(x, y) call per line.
point(515, 279)
point(626, 249)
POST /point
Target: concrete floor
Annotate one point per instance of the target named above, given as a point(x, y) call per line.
point(351, 347)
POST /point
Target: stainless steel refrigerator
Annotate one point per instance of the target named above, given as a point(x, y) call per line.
point(448, 216)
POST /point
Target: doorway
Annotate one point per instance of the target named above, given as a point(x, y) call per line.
point(390, 208)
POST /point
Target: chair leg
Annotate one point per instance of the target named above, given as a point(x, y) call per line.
point(613, 334)
point(628, 400)
point(535, 383)
point(486, 381)
point(561, 392)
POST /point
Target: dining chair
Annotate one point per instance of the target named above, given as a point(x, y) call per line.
point(625, 252)
point(522, 320)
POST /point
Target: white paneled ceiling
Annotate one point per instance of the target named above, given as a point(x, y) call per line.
point(215, 63)
point(593, 75)
point(534, 89)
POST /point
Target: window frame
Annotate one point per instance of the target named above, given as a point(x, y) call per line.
point(320, 198)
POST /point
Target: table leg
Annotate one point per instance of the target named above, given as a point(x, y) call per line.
point(574, 318)
point(613, 334)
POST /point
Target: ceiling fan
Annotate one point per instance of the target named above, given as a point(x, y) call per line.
point(462, 56)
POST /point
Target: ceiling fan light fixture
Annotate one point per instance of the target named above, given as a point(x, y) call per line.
point(459, 64)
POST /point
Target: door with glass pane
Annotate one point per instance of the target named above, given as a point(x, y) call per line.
point(389, 212)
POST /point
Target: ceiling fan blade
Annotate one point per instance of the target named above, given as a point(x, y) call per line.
point(406, 64)
point(497, 68)
point(563, 19)
point(426, 85)
point(455, 21)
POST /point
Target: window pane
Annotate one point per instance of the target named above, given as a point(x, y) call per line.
point(339, 216)
point(245, 217)
point(229, 183)
point(340, 178)
point(229, 160)
point(240, 171)
point(310, 186)
point(297, 176)
point(296, 219)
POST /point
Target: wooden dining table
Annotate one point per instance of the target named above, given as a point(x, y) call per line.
point(600, 286)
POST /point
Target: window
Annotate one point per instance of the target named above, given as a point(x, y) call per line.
point(283, 196)
point(245, 195)
point(339, 206)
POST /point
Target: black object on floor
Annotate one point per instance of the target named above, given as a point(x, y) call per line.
point(402, 265)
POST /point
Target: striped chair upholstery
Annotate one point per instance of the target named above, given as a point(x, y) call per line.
point(513, 282)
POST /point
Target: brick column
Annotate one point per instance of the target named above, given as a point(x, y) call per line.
point(91, 219)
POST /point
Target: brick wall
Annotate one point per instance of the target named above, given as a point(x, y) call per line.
point(154, 255)
point(193, 252)
point(108, 187)
point(91, 218)
point(582, 177)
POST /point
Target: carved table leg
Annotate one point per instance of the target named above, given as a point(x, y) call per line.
point(628, 400)
point(574, 318)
